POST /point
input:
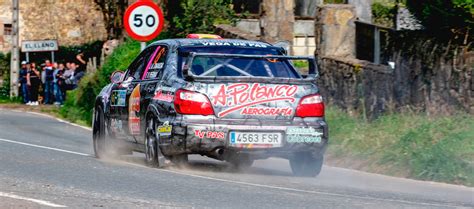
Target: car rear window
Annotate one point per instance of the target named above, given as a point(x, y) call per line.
point(251, 67)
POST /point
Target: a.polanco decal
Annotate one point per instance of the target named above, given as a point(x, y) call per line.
point(303, 135)
point(243, 96)
point(118, 98)
point(134, 111)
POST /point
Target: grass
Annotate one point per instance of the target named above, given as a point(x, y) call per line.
point(409, 145)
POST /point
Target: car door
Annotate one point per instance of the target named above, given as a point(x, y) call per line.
point(151, 78)
point(125, 97)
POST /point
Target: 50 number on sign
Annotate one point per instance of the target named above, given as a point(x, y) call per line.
point(144, 20)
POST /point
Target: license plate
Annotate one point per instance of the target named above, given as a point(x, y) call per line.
point(255, 139)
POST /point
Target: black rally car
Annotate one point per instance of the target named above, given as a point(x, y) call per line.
point(231, 100)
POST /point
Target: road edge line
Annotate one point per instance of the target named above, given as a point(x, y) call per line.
point(44, 147)
point(37, 201)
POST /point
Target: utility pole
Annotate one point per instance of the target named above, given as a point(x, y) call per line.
point(15, 54)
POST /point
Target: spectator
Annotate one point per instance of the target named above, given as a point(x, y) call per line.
point(69, 77)
point(58, 83)
point(76, 76)
point(48, 82)
point(22, 80)
point(33, 81)
point(82, 65)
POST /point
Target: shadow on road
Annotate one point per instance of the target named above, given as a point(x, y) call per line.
point(201, 164)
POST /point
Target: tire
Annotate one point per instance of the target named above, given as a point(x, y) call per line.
point(305, 164)
point(151, 143)
point(99, 133)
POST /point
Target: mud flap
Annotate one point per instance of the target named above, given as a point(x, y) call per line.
point(161, 158)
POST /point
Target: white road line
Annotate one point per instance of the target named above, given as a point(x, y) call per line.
point(41, 202)
point(43, 147)
point(312, 192)
point(60, 120)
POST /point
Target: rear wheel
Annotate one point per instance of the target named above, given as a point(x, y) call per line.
point(305, 164)
point(151, 143)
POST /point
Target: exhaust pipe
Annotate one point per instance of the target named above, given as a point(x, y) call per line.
point(219, 152)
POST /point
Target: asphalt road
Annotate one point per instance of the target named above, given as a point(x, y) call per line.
point(45, 162)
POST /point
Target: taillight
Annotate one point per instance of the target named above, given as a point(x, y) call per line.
point(192, 103)
point(310, 106)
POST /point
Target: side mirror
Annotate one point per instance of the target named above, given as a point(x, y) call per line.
point(116, 77)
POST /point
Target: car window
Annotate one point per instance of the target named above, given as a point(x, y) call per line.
point(155, 63)
point(220, 66)
point(135, 70)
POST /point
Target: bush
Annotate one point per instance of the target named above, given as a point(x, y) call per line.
point(80, 102)
point(5, 75)
point(383, 13)
point(199, 16)
point(444, 14)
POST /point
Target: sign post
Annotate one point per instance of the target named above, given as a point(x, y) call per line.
point(143, 21)
point(39, 46)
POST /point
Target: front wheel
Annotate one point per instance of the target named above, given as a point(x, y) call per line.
point(98, 133)
point(305, 164)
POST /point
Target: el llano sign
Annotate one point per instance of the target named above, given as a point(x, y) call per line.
point(39, 46)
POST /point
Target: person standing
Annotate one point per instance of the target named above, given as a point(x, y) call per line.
point(69, 76)
point(22, 79)
point(82, 63)
point(33, 80)
point(48, 82)
point(58, 82)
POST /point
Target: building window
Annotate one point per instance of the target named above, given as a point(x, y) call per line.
point(7, 29)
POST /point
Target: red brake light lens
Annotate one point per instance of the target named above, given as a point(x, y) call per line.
point(192, 103)
point(310, 106)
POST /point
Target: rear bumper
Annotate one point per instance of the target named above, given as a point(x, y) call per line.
point(216, 135)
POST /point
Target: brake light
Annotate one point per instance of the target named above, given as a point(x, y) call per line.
point(192, 103)
point(310, 106)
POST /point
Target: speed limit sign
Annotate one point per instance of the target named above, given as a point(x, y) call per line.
point(143, 20)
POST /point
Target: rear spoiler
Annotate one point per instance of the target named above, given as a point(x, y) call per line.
point(188, 75)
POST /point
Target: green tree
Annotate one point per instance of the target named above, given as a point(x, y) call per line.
point(444, 14)
point(199, 16)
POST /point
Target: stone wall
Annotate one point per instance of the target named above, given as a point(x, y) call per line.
point(72, 22)
point(277, 20)
point(432, 74)
point(429, 77)
point(335, 30)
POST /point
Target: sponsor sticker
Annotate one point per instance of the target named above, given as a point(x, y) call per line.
point(134, 111)
point(243, 44)
point(165, 129)
point(209, 134)
point(118, 98)
point(303, 135)
point(164, 93)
